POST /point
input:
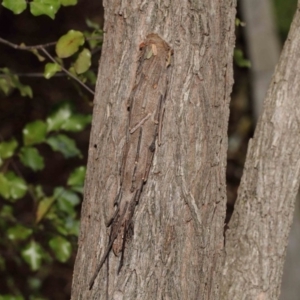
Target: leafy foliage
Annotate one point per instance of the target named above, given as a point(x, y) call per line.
point(41, 220)
point(58, 210)
point(37, 7)
point(9, 82)
point(67, 45)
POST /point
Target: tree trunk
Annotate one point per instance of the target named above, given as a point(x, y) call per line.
point(176, 248)
point(258, 231)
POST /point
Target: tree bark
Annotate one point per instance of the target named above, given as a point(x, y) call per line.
point(176, 251)
point(258, 231)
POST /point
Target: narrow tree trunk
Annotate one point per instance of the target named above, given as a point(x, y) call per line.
point(176, 250)
point(258, 231)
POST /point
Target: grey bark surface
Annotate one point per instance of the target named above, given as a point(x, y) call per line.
point(176, 251)
point(262, 41)
point(258, 231)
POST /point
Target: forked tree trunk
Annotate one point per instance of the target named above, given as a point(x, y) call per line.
point(176, 249)
point(258, 231)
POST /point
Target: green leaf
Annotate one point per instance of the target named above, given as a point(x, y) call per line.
point(34, 132)
point(43, 208)
point(25, 90)
point(4, 186)
point(72, 225)
point(77, 177)
point(91, 77)
point(7, 149)
point(5, 86)
point(44, 7)
point(31, 158)
point(92, 24)
point(83, 61)
point(72, 71)
point(68, 2)
point(77, 188)
point(240, 59)
point(61, 247)
point(11, 186)
point(18, 232)
point(69, 43)
point(37, 54)
point(35, 284)
point(76, 122)
point(57, 222)
point(64, 144)
point(33, 254)
point(11, 297)
point(51, 69)
point(59, 117)
point(12, 81)
point(67, 225)
point(17, 186)
point(16, 6)
point(66, 200)
point(38, 191)
point(7, 213)
point(94, 38)
point(238, 23)
point(63, 194)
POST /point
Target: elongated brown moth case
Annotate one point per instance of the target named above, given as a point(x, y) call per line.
point(145, 119)
point(146, 109)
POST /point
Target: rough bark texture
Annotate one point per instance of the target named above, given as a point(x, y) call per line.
point(258, 231)
point(176, 251)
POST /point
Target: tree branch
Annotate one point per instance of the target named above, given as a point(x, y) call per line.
point(258, 231)
point(42, 48)
point(26, 48)
point(66, 71)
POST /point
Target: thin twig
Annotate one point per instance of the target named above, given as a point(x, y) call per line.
point(66, 71)
point(35, 47)
point(26, 48)
point(58, 74)
point(42, 48)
